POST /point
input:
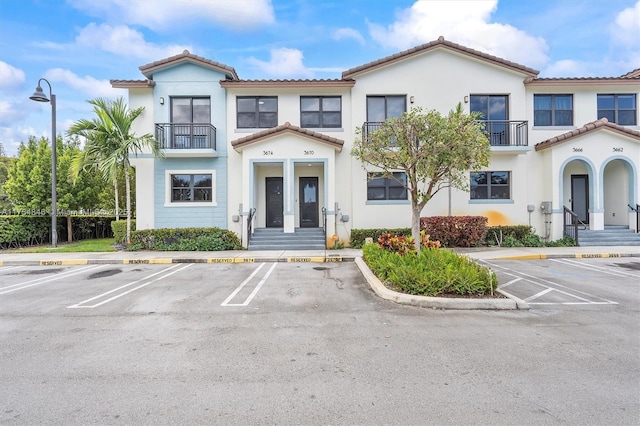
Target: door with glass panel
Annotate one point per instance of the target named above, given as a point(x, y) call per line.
point(580, 197)
point(274, 202)
point(308, 202)
point(191, 123)
point(381, 108)
point(494, 110)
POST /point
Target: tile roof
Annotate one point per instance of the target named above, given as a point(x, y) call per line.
point(288, 83)
point(128, 84)
point(287, 128)
point(186, 56)
point(632, 74)
point(602, 123)
point(441, 42)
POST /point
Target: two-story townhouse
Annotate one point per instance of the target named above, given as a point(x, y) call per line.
point(288, 144)
point(185, 109)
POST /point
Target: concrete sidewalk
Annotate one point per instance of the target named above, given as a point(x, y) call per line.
point(344, 255)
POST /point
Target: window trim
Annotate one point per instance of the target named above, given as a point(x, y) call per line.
point(386, 107)
point(616, 109)
point(488, 186)
point(320, 111)
point(372, 175)
point(553, 110)
point(191, 98)
point(257, 111)
point(168, 188)
point(507, 104)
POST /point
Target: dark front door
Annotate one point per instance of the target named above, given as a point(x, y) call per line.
point(308, 202)
point(580, 196)
point(275, 206)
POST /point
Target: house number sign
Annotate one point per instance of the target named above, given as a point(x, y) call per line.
point(309, 152)
point(616, 149)
point(577, 149)
point(267, 152)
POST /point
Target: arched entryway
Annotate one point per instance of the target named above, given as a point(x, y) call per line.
point(619, 183)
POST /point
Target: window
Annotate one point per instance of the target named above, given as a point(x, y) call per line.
point(553, 110)
point(492, 107)
point(257, 112)
point(619, 109)
point(382, 188)
point(191, 188)
point(490, 185)
point(380, 108)
point(320, 111)
point(190, 110)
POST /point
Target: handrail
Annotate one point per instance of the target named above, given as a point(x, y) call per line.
point(324, 225)
point(252, 213)
point(570, 224)
point(637, 210)
point(186, 135)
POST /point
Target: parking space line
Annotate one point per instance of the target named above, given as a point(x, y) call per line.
point(46, 280)
point(255, 290)
point(597, 268)
point(552, 286)
point(167, 272)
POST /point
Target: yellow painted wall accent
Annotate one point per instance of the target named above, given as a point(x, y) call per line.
point(496, 218)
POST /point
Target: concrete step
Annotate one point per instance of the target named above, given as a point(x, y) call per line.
point(610, 236)
point(277, 239)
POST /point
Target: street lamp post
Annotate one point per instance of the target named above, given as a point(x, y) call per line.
point(39, 96)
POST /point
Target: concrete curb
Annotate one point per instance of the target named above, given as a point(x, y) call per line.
point(510, 303)
point(565, 256)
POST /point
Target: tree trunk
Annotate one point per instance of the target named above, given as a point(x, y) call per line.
point(415, 225)
point(69, 230)
point(115, 191)
point(128, 200)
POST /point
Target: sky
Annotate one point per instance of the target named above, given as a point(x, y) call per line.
point(79, 45)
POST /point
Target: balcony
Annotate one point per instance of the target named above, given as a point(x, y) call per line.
point(503, 135)
point(186, 139)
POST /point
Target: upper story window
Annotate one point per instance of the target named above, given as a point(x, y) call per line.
point(490, 185)
point(492, 107)
point(553, 110)
point(190, 110)
point(380, 108)
point(320, 111)
point(383, 188)
point(619, 109)
point(256, 112)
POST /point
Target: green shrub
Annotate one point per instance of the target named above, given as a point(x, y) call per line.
point(432, 272)
point(358, 236)
point(456, 231)
point(562, 242)
point(497, 234)
point(185, 239)
point(119, 228)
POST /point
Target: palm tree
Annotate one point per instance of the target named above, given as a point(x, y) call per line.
point(110, 142)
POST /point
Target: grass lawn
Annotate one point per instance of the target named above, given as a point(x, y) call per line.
point(104, 244)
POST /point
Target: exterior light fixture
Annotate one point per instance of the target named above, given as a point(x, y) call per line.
point(39, 96)
point(161, 101)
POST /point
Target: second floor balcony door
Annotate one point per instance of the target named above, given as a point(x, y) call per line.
point(381, 108)
point(495, 114)
point(191, 119)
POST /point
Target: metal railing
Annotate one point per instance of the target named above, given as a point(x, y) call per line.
point(499, 132)
point(324, 225)
point(571, 223)
point(252, 213)
point(186, 136)
point(637, 210)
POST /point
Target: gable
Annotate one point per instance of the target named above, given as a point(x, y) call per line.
point(286, 129)
point(588, 129)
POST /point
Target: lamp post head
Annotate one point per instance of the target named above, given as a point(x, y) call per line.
point(39, 95)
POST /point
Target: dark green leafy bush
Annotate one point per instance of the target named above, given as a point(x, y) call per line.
point(185, 239)
point(119, 228)
point(358, 236)
point(432, 272)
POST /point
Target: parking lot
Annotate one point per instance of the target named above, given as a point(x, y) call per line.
point(310, 343)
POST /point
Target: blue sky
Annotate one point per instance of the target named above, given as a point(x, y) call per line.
point(79, 45)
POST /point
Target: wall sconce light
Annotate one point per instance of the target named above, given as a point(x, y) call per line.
point(161, 101)
point(412, 99)
point(466, 99)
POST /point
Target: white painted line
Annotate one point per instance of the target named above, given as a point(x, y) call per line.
point(598, 268)
point(510, 282)
point(539, 294)
point(46, 280)
point(168, 271)
point(255, 290)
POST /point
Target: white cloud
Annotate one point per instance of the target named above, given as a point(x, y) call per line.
point(162, 15)
point(87, 85)
point(465, 22)
point(348, 33)
point(12, 111)
point(124, 41)
point(626, 28)
point(284, 63)
point(10, 76)
point(10, 137)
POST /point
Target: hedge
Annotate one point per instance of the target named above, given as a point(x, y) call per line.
point(119, 228)
point(185, 239)
point(456, 231)
point(358, 236)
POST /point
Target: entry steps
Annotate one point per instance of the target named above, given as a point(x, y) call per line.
point(612, 235)
point(277, 239)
